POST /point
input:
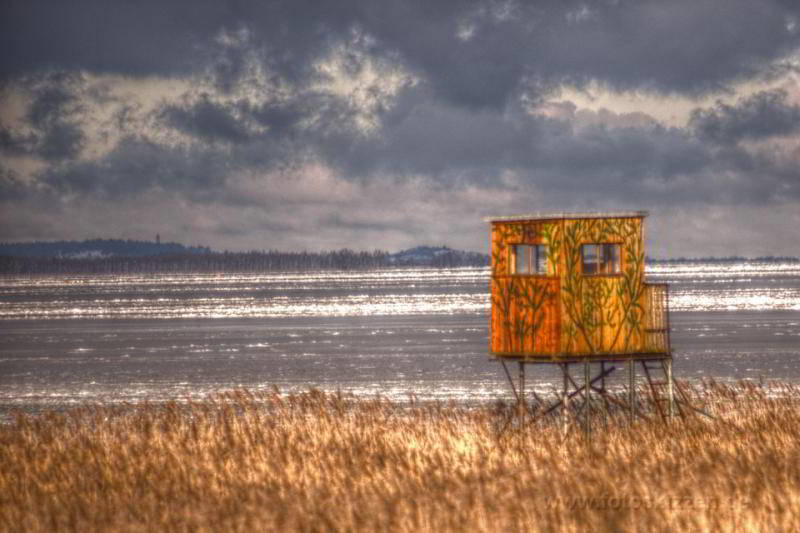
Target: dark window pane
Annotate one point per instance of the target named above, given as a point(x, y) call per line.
point(522, 257)
point(541, 259)
point(602, 258)
point(589, 253)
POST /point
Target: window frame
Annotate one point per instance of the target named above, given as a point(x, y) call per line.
point(533, 252)
point(601, 252)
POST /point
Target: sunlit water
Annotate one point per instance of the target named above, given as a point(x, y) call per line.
point(71, 339)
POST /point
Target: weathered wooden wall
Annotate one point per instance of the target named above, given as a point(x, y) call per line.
point(567, 313)
point(525, 309)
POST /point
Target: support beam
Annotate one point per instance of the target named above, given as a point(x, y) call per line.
point(653, 392)
point(521, 399)
point(510, 381)
point(587, 415)
point(631, 391)
point(592, 395)
point(603, 388)
point(565, 399)
point(578, 390)
point(670, 393)
point(620, 403)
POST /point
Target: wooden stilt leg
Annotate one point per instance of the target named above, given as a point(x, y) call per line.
point(521, 399)
point(670, 394)
point(654, 393)
point(565, 400)
point(603, 388)
point(587, 407)
point(631, 391)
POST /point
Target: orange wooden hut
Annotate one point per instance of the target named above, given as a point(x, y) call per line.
point(569, 287)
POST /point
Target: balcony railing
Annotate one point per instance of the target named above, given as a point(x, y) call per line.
point(657, 318)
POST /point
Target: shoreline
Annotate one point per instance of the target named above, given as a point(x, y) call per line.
point(774, 388)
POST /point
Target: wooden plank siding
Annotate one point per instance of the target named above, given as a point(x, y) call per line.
point(566, 313)
point(526, 319)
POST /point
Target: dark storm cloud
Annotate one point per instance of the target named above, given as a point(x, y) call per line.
point(421, 137)
point(136, 165)
point(483, 70)
point(60, 140)
point(642, 163)
point(476, 54)
point(156, 37)
point(471, 113)
point(267, 124)
point(11, 188)
point(620, 156)
point(141, 38)
point(14, 143)
point(648, 164)
point(207, 120)
point(683, 46)
point(764, 114)
point(281, 118)
point(481, 54)
point(49, 104)
point(52, 117)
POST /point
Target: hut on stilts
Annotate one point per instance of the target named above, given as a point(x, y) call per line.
point(569, 289)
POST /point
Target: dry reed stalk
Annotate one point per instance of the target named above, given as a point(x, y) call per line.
point(317, 461)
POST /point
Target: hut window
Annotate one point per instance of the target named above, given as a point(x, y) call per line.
point(529, 259)
point(601, 259)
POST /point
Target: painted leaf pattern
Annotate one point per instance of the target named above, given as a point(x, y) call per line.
point(567, 313)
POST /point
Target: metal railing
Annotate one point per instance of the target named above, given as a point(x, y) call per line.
point(657, 318)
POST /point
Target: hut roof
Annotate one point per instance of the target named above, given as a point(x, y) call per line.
point(560, 215)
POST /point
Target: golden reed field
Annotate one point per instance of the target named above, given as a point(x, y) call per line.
point(328, 462)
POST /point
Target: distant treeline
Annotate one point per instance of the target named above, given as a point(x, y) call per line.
point(98, 248)
point(115, 256)
point(271, 261)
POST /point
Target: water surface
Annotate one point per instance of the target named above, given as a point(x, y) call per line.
point(70, 339)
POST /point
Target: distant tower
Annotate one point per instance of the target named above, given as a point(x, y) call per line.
point(158, 238)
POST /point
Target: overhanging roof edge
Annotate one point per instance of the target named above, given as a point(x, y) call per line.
point(566, 215)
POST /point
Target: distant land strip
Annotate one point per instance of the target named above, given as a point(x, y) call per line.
point(115, 256)
point(103, 256)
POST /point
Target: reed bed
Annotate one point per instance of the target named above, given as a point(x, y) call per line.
point(330, 462)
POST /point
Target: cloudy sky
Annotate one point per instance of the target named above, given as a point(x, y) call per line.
point(387, 124)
